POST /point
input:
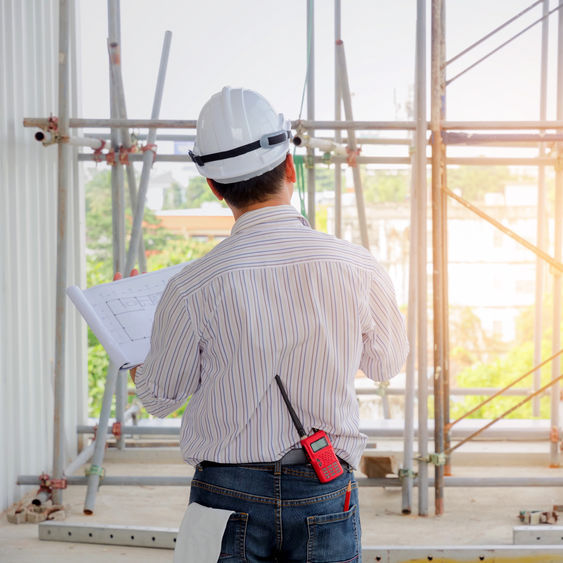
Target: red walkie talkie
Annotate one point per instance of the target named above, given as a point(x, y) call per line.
point(318, 448)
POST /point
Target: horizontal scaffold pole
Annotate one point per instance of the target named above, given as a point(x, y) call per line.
point(179, 481)
point(43, 123)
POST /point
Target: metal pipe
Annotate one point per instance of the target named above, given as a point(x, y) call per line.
point(138, 215)
point(82, 123)
point(422, 313)
point(437, 253)
point(552, 383)
point(179, 481)
point(352, 146)
point(117, 191)
point(470, 139)
point(120, 405)
point(490, 34)
point(502, 45)
point(468, 161)
point(63, 164)
point(119, 93)
point(444, 236)
point(407, 468)
point(311, 187)
point(537, 251)
point(48, 138)
point(558, 255)
point(542, 218)
point(82, 458)
point(93, 479)
point(466, 391)
point(337, 117)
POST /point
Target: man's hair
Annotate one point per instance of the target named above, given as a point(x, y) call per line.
point(255, 190)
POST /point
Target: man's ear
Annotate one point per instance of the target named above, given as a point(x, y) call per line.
point(290, 175)
point(214, 189)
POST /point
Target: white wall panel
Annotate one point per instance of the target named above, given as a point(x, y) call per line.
point(28, 230)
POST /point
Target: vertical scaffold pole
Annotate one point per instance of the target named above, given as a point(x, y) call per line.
point(148, 156)
point(311, 188)
point(558, 239)
point(117, 185)
point(437, 254)
point(421, 224)
point(542, 219)
point(337, 117)
point(444, 236)
point(63, 164)
point(95, 473)
point(352, 145)
point(117, 191)
point(406, 471)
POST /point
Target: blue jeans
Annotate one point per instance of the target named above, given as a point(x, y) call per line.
point(282, 513)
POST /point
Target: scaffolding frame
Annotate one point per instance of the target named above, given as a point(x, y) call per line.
point(442, 133)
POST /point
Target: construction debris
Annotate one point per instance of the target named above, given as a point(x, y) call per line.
point(33, 514)
point(534, 517)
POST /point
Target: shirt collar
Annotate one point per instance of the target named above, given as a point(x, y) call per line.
point(273, 215)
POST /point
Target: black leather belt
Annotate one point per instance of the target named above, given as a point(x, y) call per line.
point(292, 457)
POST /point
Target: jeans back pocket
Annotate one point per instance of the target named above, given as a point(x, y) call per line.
point(233, 545)
point(333, 538)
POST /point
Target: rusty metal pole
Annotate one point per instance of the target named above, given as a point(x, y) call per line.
point(445, 259)
point(542, 218)
point(437, 252)
point(558, 255)
point(63, 165)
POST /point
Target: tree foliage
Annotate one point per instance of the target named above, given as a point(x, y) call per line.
point(475, 181)
point(164, 249)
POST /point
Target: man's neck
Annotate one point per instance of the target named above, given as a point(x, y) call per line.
point(238, 212)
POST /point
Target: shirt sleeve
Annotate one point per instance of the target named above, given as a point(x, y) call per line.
point(171, 371)
point(385, 344)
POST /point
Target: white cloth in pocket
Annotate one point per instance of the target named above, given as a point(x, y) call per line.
point(200, 534)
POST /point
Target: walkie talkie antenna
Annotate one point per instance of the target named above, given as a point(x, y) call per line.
point(292, 413)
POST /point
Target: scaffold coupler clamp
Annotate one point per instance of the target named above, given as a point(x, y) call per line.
point(559, 161)
point(406, 473)
point(353, 155)
point(434, 458)
point(96, 470)
point(554, 435)
point(381, 389)
point(116, 429)
point(46, 484)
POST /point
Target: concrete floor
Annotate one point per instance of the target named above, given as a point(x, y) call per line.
point(473, 516)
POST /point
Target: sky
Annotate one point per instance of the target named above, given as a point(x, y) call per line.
point(262, 44)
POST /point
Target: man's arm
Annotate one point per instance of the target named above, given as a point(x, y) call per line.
point(171, 371)
point(385, 341)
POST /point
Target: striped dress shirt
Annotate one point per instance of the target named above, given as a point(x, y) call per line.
point(276, 297)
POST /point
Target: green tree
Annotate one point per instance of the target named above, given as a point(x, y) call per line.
point(385, 186)
point(198, 192)
point(174, 197)
point(165, 248)
point(476, 181)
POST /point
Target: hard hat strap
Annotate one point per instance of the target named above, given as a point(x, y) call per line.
point(266, 141)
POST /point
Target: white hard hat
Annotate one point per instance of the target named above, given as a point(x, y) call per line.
point(239, 136)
